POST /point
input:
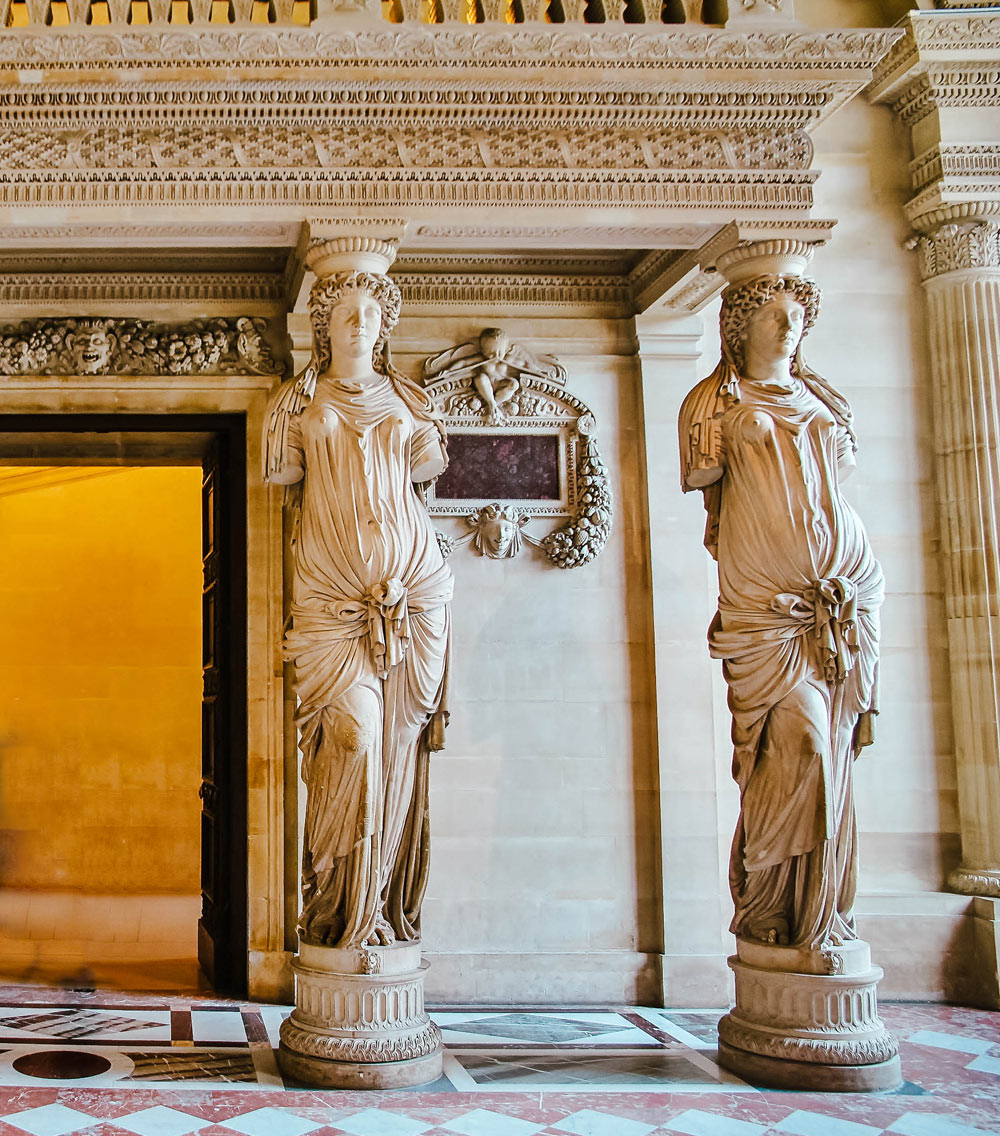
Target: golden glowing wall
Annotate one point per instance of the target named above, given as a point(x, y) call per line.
point(100, 679)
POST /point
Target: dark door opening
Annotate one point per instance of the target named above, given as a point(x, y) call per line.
point(218, 443)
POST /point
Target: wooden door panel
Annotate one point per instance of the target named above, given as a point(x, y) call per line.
point(222, 943)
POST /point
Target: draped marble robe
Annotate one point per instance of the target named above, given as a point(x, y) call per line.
point(369, 612)
point(797, 631)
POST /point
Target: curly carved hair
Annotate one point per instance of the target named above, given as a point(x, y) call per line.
point(740, 301)
point(326, 294)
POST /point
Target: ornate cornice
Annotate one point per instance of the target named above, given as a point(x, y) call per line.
point(493, 49)
point(336, 118)
point(305, 189)
point(934, 38)
point(975, 881)
point(949, 61)
point(449, 290)
point(952, 161)
point(37, 288)
point(615, 100)
point(286, 146)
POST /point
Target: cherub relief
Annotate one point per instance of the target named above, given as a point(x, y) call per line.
point(496, 368)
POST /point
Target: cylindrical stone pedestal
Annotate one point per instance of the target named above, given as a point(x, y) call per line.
point(359, 1020)
point(808, 1020)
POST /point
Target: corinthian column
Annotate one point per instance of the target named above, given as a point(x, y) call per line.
point(960, 264)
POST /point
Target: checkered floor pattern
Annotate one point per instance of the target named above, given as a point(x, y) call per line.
point(108, 1065)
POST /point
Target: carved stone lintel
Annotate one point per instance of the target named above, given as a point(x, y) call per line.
point(958, 246)
point(976, 881)
point(808, 1019)
point(359, 1019)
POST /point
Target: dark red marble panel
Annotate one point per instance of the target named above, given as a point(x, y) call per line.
point(501, 467)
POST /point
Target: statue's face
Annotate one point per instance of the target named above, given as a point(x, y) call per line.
point(774, 330)
point(91, 349)
point(493, 343)
point(355, 323)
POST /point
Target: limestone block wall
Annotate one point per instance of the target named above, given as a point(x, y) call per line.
point(544, 884)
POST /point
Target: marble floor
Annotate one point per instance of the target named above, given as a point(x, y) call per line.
point(112, 1064)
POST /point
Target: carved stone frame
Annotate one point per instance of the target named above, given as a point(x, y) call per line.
point(563, 428)
point(268, 971)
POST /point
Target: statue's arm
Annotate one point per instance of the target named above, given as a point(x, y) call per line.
point(427, 454)
point(284, 457)
point(846, 448)
point(703, 458)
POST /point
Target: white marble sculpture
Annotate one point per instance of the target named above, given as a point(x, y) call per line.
point(768, 442)
point(369, 633)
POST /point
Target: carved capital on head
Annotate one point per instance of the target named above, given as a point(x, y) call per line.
point(958, 246)
point(351, 254)
point(786, 257)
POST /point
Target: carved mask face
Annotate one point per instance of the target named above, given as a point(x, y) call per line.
point(91, 350)
point(355, 323)
point(498, 534)
point(774, 330)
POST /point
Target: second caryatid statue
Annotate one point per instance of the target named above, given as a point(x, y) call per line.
point(768, 441)
point(368, 638)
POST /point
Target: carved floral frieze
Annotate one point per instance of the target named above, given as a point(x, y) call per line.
point(222, 346)
point(502, 397)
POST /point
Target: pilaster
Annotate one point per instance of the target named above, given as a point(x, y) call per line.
point(942, 81)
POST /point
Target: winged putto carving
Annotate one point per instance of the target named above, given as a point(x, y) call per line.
point(496, 368)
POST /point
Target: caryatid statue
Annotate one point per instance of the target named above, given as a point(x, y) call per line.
point(369, 627)
point(768, 441)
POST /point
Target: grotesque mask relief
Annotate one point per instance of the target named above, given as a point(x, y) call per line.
point(222, 346)
point(521, 447)
point(90, 345)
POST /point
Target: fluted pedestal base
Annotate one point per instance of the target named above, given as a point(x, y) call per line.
point(808, 1020)
point(359, 1020)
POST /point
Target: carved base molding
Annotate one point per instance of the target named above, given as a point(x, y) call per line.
point(359, 1020)
point(808, 1020)
point(976, 881)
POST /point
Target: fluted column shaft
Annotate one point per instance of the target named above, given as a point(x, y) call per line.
point(961, 265)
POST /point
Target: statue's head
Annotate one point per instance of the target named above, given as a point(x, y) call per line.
point(771, 313)
point(90, 346)
point(353, 313)
point(494, 342)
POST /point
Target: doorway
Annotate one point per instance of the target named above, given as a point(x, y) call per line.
point(124, 786)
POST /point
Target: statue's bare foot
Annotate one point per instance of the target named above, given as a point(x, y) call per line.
point(381, 936)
